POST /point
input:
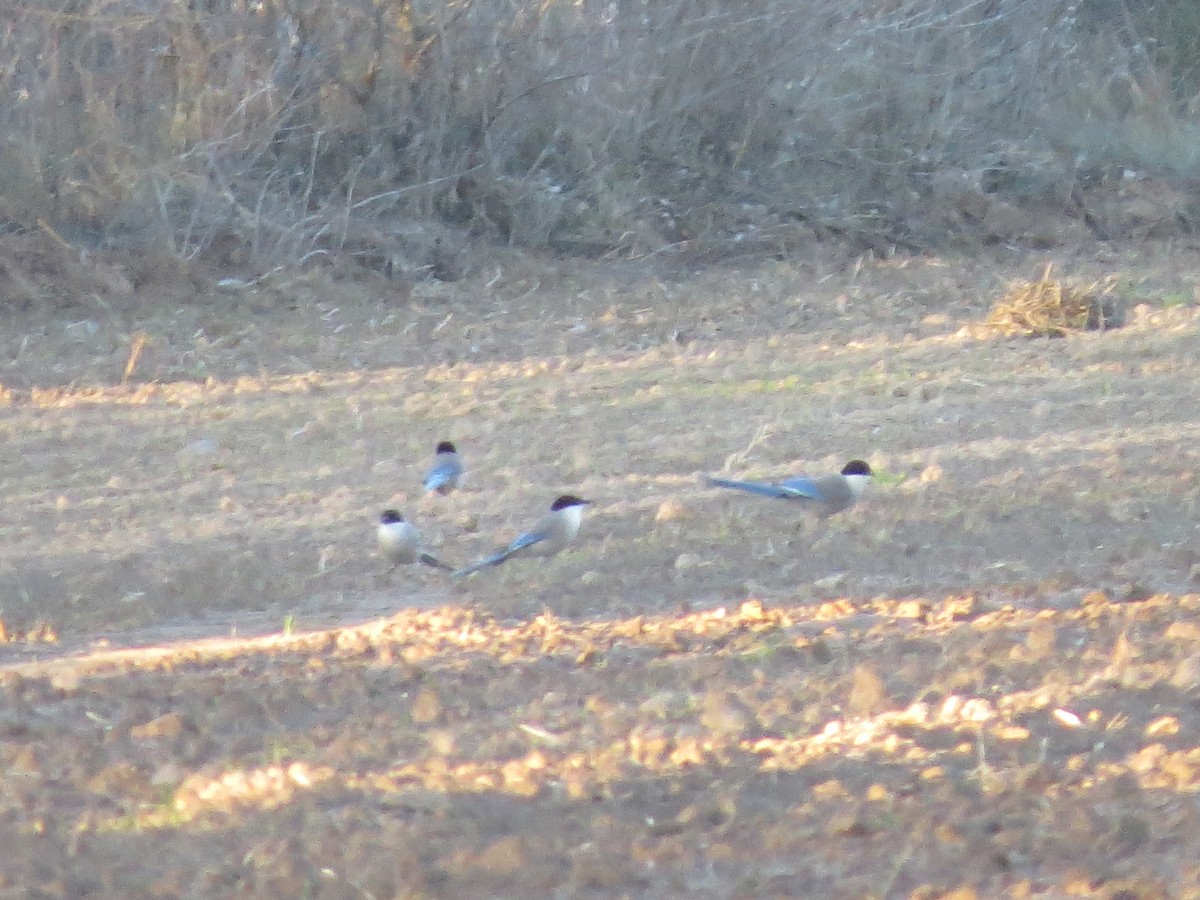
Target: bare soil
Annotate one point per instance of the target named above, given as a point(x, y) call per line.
point(981, 681)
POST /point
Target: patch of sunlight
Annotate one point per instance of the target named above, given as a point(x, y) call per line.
point(186, 393)
point(675, 730)
point(262, 788)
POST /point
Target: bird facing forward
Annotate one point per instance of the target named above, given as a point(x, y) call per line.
point(400, 543)
point(447, 469)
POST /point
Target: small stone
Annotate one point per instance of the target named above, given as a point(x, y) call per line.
point(427, 707)
point(866, 693)
point(672, 510)
point(1187, 674)
point(170, 725)
point(505, 857)
point(689, 561)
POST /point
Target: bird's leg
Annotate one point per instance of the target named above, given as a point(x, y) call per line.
point(386, 574)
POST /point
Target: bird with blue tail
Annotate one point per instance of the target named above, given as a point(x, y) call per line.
point(826, 494)
point(553, 532)
point(447, 470)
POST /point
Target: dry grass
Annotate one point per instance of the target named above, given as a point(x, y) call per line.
point(1050, 307)
point(376, 135)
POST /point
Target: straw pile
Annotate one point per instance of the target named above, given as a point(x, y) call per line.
point(1050, 307)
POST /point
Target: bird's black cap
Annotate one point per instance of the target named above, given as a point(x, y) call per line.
point(856, 467)
point(567, 500)
point(445, 447)
point(390, 517)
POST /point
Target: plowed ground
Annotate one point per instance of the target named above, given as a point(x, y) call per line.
point(982, 679)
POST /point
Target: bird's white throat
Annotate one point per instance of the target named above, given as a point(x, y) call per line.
point(572, 516)
point(856, 483)
point(395, 533)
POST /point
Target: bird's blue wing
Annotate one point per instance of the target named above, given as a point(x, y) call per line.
point(441, 475)
point(802, 488)
point(528, 539)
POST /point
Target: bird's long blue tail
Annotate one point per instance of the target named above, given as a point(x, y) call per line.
point(752, 487)
point(494, 560)
point(526, 540)
point(430, 560)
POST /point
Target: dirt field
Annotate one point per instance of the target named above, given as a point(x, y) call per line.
point(982, 681)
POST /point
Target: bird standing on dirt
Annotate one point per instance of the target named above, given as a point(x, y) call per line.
point(400, 543)
point(447, 470)
point(550, 535)
point(828, 494)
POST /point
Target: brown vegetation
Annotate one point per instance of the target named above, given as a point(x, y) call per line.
point(383, 134)
point(981, 679)
point(1050, 307)
point(252, 269)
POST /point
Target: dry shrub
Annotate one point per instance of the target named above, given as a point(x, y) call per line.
point(374, 128)
point(1049, 307)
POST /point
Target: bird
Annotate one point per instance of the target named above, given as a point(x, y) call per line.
point(828, 494)
point(550, 535)
point(400, 543)
point(447, 469)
